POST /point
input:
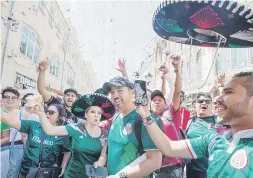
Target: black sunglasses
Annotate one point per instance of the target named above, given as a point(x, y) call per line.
point(50, 112)
point(9, 97)
point(206, 101)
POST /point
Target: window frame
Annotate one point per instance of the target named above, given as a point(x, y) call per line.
point(35, 43)
point(41, 6)
point(54, 60)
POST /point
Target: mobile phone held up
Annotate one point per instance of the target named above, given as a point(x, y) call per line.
point(93, 172)
point(141, 97)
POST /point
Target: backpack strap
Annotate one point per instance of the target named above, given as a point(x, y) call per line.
point(168, 116)
point(192, 119)
point(137, 131)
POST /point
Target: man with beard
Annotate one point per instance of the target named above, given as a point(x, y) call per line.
point(230, 153)
point(123, 144)
point(70, 95)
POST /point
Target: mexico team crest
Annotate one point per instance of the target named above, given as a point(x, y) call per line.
point(239, 160)
point(127, 129)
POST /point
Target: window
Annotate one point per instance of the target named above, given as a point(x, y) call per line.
point(239, 57)
point(30, 45)
point(54, 66)
point(69, 76)
point(51, 16)
point(41, 6)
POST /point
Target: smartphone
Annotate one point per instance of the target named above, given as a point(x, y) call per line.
point(91, 171)
point(141, 97)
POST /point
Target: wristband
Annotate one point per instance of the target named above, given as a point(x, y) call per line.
point(148, 121)
point(176, 70)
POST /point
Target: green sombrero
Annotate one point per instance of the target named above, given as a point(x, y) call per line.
point(79, 107)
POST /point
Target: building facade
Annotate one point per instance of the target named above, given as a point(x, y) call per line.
point(199, 65)
point(32, 31)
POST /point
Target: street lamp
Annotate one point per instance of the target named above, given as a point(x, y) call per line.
point(148, 78)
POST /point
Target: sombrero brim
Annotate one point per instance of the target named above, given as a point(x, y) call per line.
point(79, 107)
point(177, 21)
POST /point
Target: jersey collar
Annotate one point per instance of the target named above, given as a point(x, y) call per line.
point(236, 137)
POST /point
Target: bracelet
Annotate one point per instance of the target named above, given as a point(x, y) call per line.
point(176, 70)
point(123, 175)
point(220, 86)
point(148, 121)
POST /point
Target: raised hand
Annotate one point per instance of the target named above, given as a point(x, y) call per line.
point(163, 69)
point(44, 65)
point(38, 109)
point(219, 80)
point(121, 66)
point(176, 60)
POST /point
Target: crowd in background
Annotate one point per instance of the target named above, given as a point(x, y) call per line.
point(107, 129)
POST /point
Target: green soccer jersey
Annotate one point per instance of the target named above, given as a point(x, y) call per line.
point(52, 146)
point(85, 150)
point(200, 127)
point(123, 144)
point(226, 159)
point(4, 127)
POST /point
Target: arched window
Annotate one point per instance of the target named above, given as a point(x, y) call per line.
point(30, 45)
point(54, 66)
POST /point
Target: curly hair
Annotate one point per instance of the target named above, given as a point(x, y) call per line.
point(62, 113)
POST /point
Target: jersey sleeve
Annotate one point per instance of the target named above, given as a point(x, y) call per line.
point(147, 142)
point(65, 144)
point(4, 127)
point(27, 125)
point(74, 129)
point(198, 147)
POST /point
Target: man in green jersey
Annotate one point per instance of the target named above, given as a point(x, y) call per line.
point(123, 144)
point(230, 154)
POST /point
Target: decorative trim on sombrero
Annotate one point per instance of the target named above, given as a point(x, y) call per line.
point(217, 16)
point(107, 106)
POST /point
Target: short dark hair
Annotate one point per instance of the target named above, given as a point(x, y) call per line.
point(248, 83)
point(11, 90)
point(203, 94)
point(24, 98)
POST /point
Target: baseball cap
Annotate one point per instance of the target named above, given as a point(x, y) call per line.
point(157, 93)
point(70, 90)
point(117, 82)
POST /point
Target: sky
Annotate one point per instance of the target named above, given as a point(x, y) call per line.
point(109, 30)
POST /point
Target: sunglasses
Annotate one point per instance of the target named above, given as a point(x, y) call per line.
point(202, 101)
point(10, 98)
point(50, 112)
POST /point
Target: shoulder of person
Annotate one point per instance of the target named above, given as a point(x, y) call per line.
point(53, 100)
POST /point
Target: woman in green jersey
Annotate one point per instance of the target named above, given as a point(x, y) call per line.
point(88, 140)
point(52, 145)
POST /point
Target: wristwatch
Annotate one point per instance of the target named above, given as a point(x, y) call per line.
point(176, 70)
point(148, 121)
